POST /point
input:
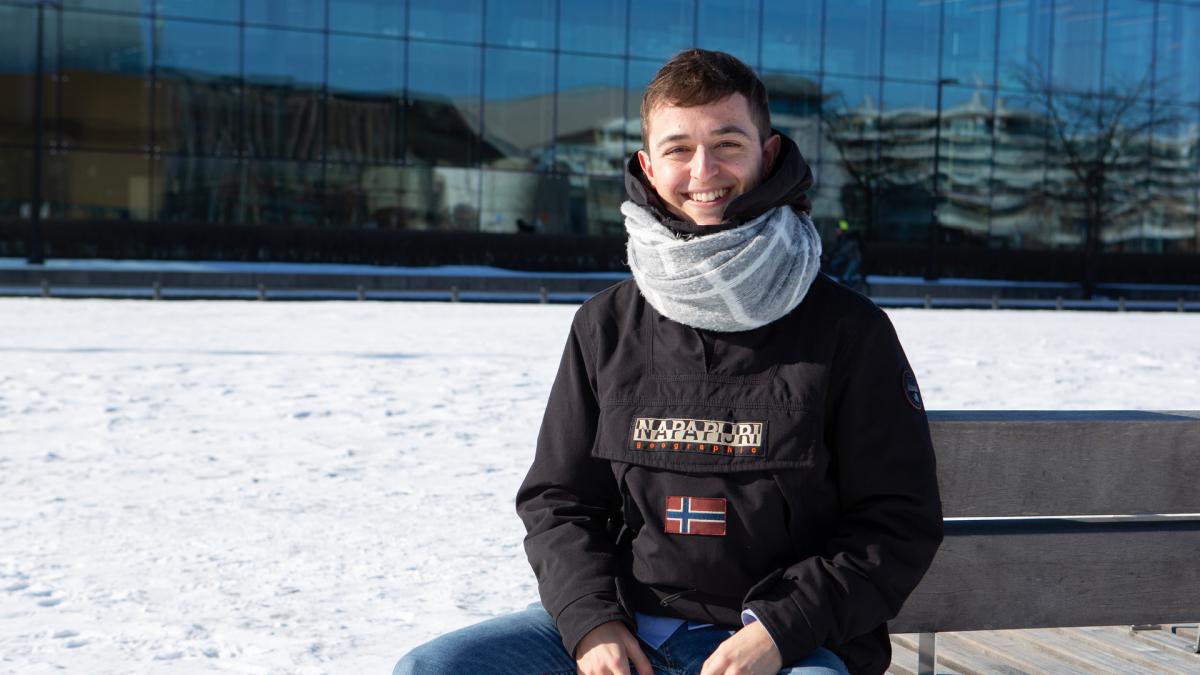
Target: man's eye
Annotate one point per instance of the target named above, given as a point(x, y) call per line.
point(674, 151)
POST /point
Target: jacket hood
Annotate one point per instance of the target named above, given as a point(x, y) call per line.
point(787, 183)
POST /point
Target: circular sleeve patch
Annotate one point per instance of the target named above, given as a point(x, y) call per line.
point(911, 391)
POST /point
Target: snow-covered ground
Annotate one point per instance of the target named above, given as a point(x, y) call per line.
point(287, 487)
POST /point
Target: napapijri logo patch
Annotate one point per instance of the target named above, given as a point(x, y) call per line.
point(710, 437)
point(695, 515)
point(912, 392)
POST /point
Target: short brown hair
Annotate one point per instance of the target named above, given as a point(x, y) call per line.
point(696, 77)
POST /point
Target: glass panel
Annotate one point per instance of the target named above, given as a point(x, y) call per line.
point(283, 93)
point(201, 190)
point(906, 158)
point(790, 39)
point(965, 163)
point(1129, 47)
point(1125, 209)
point(912, 38)
point(197, 102)
point(591, 118)
point(795, 102)
point(969, 45)
point(127, 6)
point(451, 198)
point(367, 16)
point(98, 186)
point(518, 108)
point(640, 73)
point(527, 203)
point(443, 116)
point(521, 23)
point(659, 28)
point(1024, 49)
point(1022, 215)
point(851, 170)
point(365, 104)
point(590, 26)
point(286, 13)
point(217, 10)
point(16, 188)
point(281, 193)
point(853, 34)
point(595, 205)
point(1177, 78)
point(1174, 220)
point(835, 196)
point(18, 35)
point(729, 26)
point(1078, 38)
point(446, 20)
point(104, 84)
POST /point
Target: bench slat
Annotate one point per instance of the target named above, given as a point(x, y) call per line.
point(1053, 463)
point(990, 576)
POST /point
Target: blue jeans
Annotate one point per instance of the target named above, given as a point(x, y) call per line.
point(527, 643)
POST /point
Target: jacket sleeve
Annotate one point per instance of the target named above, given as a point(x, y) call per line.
point(567, 500)
point(889, 522)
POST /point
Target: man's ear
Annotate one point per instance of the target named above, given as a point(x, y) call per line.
point(771, 151)
point(644, 160)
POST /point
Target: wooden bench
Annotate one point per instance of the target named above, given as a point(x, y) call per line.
point(1057, 519)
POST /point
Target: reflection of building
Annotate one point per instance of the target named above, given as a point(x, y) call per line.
point(517, 117)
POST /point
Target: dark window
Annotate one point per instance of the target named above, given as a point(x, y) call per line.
point(591, 115)
point(660, 28)
point(367, 16)
point(200, 189)
point(98, 185)
point(366, 95)
point(18, 26)
point(729, 26)
point(105, 94)
point(16, 186)
point(912, 38)
point(286, 13)
point(590, 26)
point(518, 108)
point(282, 102)
point(444, 104)
point(460, 20)
point(521, 23)
point(853, 35)
point(791, 35)
point(281, 193)
point(197, 101)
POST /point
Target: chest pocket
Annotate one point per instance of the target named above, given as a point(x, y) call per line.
point(702, 481)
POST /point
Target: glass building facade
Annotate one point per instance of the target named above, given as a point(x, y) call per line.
point(1018, 124)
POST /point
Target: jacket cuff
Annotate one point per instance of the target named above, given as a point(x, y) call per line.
point(785, 623)
point(583, 614)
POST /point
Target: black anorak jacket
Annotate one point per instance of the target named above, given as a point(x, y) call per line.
point(802, 451)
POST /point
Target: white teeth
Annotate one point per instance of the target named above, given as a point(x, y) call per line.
point(710, 196)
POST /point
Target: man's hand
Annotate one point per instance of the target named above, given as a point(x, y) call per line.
point(607, 650)
point(750, 651)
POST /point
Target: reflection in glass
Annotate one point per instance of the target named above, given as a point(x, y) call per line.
point(729, 26)
point(105, 101)
point(16, 186)
point(282, 103)
point(965, 163)
point(589, 26)
point(281, 193)
point(197, 101)
point(518, 108)
point(367, 16)
point(98, 185)
point(1177, 79)
point(521, 23)
point(1021, 216)
point(795, 102)
point(791, 35)
point(1127, 47)
point(659, 28)
point(1078, 34)
point(200, 189)
point(1173, 221)
point(591, 130)
point(907, 129)
point(126, 6)
point(460, 20)
point(638, 75)
point(852, 168)
point(443, 114)
point(525, 203)
point(1125, 208)
point(912, 37)
point(595, 205)
point(853, 34)
point(286, 13)
point(215, 10)
point(969, 43)
point(365, 104)
point(1024, 43)
point(18, 63)
point(381, 197)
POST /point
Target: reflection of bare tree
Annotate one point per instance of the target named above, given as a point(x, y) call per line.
point(854, 133)
point(1100, 140)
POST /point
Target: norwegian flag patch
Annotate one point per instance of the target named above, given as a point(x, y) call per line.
point(696, 515)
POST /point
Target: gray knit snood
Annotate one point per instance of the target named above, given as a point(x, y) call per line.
point(728, 281)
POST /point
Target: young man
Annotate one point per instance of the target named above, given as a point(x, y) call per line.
point(734, 472)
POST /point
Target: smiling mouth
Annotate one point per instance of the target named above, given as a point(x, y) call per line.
point(709, 196)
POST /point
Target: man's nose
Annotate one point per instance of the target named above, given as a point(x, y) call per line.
point(704, 165)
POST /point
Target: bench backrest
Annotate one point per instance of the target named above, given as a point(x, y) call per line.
point(1063, 519)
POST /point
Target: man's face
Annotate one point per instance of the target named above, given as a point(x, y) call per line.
point(699, 159)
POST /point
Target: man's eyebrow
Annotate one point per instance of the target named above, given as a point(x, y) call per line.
point(720, 131)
